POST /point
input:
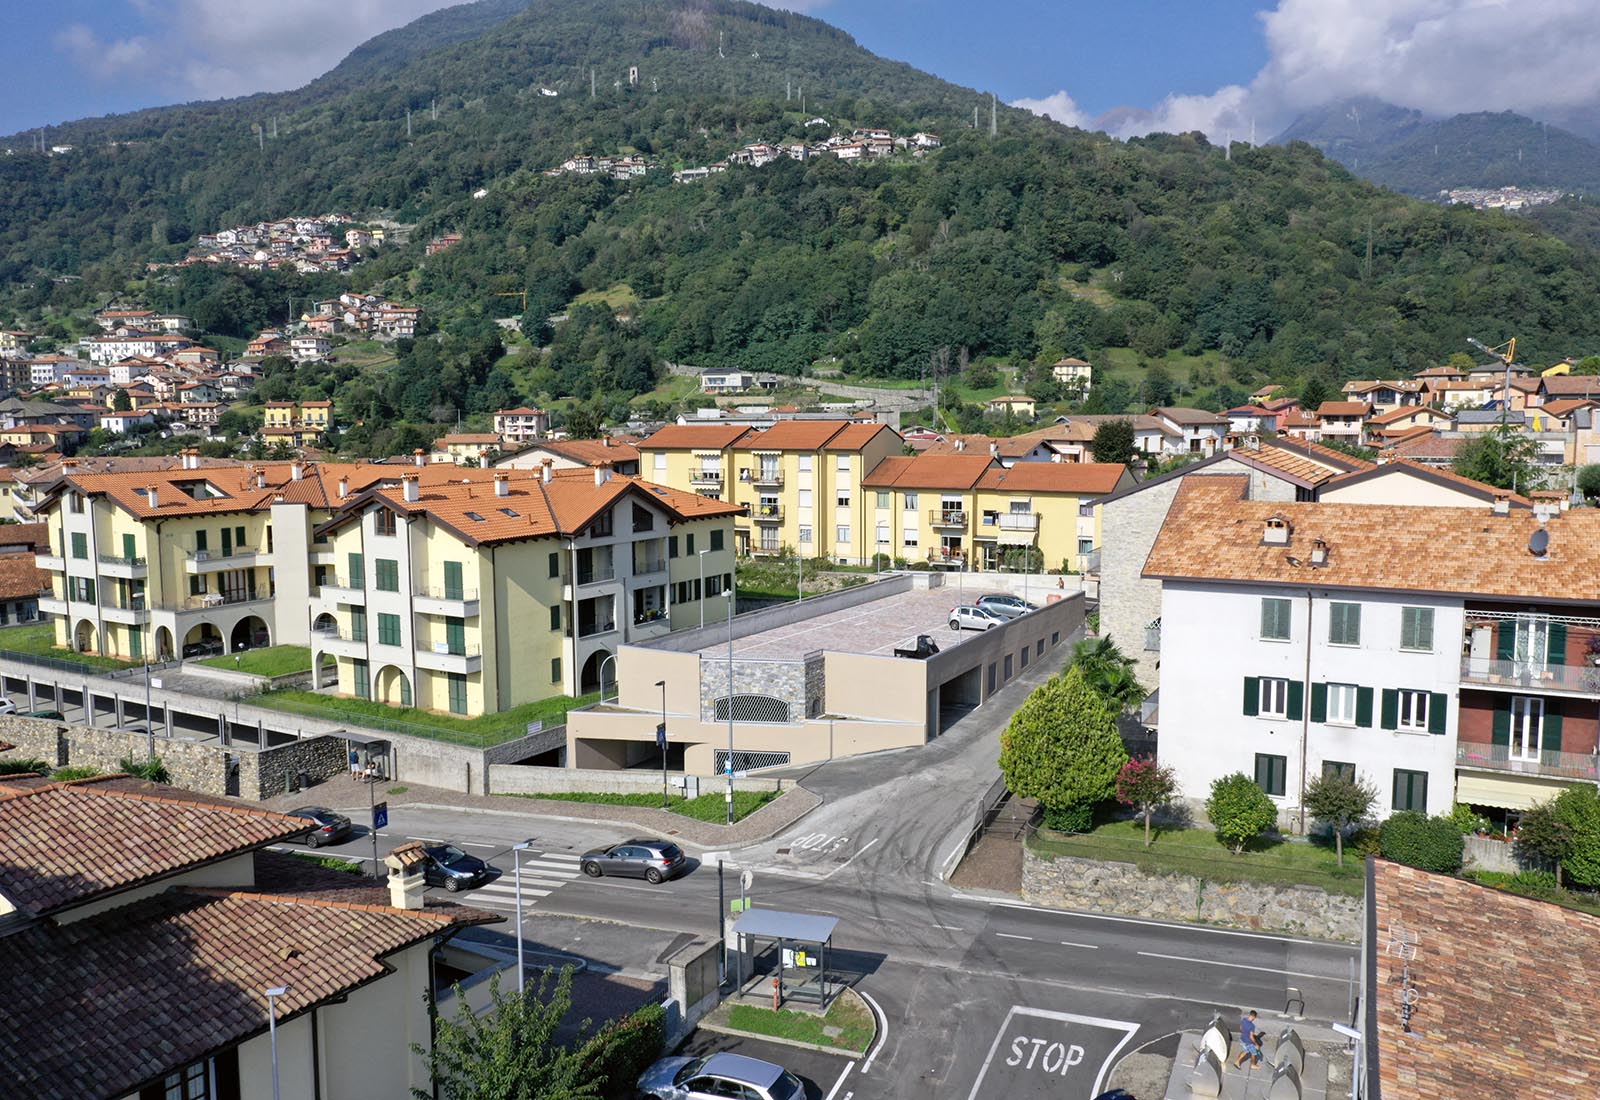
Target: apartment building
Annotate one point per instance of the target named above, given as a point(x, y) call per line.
point(1442, 654)
point(520, 426)
point(297, 423)
point(475, 595)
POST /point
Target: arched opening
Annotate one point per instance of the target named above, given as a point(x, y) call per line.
point(163, 644)
point(250, 633)
point(202, 640)
point(392, 687)
point(84, 639)
point(599, 663)
point(325, 624)
point(327, 671)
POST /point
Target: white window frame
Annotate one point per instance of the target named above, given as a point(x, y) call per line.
point(909, 539)
point(910, 502)
point(1342, 712)
point(885, 499)
point(805, 463)
point(842, 464)
point(842, 534)
point(1526, 729)
point(805, 533)
point(1272, 700)
point(660, 461)
point(803, 498)
point(1411, 710)
point(841, 498)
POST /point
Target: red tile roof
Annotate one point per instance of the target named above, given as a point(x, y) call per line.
point(929, 471)
point(699, 437)
point(20, 578)
point(1096, 478)
point(1343, 408)
point(795, 435)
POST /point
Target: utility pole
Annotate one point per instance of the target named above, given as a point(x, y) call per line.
point(408, 123)
point(994, 124)
point(591, 82)
point(433, 106)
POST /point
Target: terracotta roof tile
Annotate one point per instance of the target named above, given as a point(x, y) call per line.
point(1572, 385)
point(1299, 462)
point(592, 452)
point(928, 471)
point(1095, 478)
point(1188, 417)
point(1401, 412)
point(707, 437)
point(1343, 408)
point(1563, 405)
point(795, 435)
point(20, 578)
point(1213, 533)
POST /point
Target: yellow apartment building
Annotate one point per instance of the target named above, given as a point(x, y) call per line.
point(466, 448)
point(692, 457)
point(967, 511)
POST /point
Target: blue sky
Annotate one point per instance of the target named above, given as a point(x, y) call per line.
point(1215, 65)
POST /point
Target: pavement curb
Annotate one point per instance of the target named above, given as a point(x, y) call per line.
point(719, 1029)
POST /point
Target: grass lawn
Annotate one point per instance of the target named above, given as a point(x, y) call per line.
point(1198, 852)
point(39, 640)
point(487, 729)
point(278, 660)
point(707, 807)
point(332, 863)
point(847, 1013)
point(618, 297)
point(674, 388)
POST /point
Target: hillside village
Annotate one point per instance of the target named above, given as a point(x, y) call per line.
point(857, 145)
point(307, 245)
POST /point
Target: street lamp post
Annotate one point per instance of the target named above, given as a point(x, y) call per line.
point(702, 557)
point(662, 738)
point(730, 704)
point(272, 1027)
point(149, 723)
point(516, 859)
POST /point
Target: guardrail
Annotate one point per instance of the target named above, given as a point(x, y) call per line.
point(1518, 674)
point(982, 813)
point(1562, 765)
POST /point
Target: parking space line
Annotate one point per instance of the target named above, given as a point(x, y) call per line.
point(848, 1066)
point(1243, 966)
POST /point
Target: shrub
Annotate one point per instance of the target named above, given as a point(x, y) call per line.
point(1467, 819)
point(1364, 843)
point(1240, 810)
point(1427, 843)
point(153, 769)
point(1579, 808)
point(61, 775)
point(18, 767)
point(1078, 818)
point(1147, 786)
point(624, 1049)
point(1062, 745)
point(1339, 803)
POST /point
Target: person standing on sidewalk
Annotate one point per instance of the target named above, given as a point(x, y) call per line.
point(1249, 1040)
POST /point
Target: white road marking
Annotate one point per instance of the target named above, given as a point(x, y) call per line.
point(316, 854)
point(1077, 914)
point(1010, 936)
point(1085, 946)
point(561, 856)
point(848, 1066)
point(853, 858)
point(947, 928)
point(1128, 1029)
point(1243, 966)
point(883, 1030)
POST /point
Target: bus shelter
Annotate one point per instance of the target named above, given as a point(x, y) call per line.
point(790, 950)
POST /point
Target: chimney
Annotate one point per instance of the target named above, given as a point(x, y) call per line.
point(1319, 552)
point(546, 470)
point(502, 485)
point(1502, 504)
point(296, 470)
point(419, 456)
point(191, 458)
point(961, 444)
point(344, 487)
point(606, 441)
point(602, 473)
point(1277, 532)
point(410, 488)
point(406, 882)
point(994, 449)
point(261, 479)
point(150, 497)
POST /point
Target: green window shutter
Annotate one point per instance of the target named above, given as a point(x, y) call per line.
point(555, 670)
point(1438, 709)
point(358, 572)
point(135, 644)
point(80, 545)
point(452, 580)
point(1550, 735)
point(358, 624)
point(1319, 702)
point(688, 544)
point(1252, 696)
point(455, 634)
point(88, 591)
point(716, 539)
point(1500, 731)
point(1389, 715)
point(555, 616)
point(1505, 640)
point(227, 542)
point(130, 547)
point(405, 691)
point(200, 540)
point(1297, 700)
point(555, 563)
point(1558, 644)
point(1398, 793)
point(672, 546)
point(1364, 707)
point(238, 536)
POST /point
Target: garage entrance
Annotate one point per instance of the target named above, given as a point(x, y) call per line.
point(959, 697)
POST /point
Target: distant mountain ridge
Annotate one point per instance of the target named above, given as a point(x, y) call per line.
point(1410, 152)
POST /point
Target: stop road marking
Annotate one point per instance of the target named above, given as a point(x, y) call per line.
point(1036, 1048)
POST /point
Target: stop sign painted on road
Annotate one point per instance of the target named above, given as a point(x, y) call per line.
point(1042, 1053)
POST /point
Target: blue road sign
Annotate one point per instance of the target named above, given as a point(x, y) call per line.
point(380, 816)
point(661, 735)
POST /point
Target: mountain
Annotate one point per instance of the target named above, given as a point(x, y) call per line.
point(1410, 152)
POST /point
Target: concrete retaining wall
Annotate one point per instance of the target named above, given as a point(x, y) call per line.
point(1483, 854)
point(1104, 887)
point(520, 779)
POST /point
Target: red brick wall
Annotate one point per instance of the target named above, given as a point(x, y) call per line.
point(1580, 723)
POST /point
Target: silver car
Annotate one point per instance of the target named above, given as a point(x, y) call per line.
point(974, 618)
point(719, 1077)
point(1008, 607)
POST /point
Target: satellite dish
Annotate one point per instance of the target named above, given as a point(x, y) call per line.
point(1539, 543)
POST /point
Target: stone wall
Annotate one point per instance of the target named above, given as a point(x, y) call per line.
point(529, 779)
point(194, 767)
point(785, 680)
point(1104, 887)
point(267, 774)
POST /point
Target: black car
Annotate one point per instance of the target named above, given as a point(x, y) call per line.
point(53, 715)
point(450, 867)
point(331, 827)
point(652, 860)
point(202, 649)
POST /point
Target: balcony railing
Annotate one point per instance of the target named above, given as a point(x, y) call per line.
point(1523, 676)
point(451, 649)
point(592, 629)
point(761, 477)
point(1018, 521)
point(947, 557)
point(644, 566)
point(1559, 765)
point(213, 599)
point(706, 477)
point(118, 559)
point(446, 593)
point(597, 575)
point(215, 555)
point(336, 635)
point(767, 513)
point(644, 618)
point(947, 517)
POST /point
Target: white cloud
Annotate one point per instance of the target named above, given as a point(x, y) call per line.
point(1438, 56)
point(1061, 107)
point(217, 48)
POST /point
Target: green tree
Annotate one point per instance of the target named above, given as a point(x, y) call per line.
point(1502, 456)
point(122, 402)
point(1589, 364)
point(1239, 810)
point(1147, 785)
point(1341, 803)
point(1113, 442)
point(512, 1051)
point(1545, 836)
point(1109, 672)
point(1589, 481)
point(1313, 393)
point(1062, 746)
point(1579, 808)
point(981, 375)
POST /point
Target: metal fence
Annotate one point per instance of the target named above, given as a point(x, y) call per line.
point(983, 812)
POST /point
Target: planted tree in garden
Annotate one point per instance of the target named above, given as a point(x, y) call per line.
point(1062, 746)
point(1239, 810)
point(1339, 802)
point(1147, 785)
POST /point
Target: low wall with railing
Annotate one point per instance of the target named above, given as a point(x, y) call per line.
point(522, 779)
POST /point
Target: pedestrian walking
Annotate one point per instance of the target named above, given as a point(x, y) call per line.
point(1249, 1040)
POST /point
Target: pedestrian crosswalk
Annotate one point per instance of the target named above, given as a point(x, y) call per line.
point(543, 873)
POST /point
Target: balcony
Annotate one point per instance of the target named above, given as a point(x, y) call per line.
point(115, 565)
point(766, 478)
point(951, 558)
point(212, 600)
point(596, 627)
point(459, 603)
point(767, 513)
point(51, 562)
point(340, 644)
point(705, 477)
point(132, 612)
point(339, 590)
point(444, 657)
point(1019, 521)
point(947, 517)
point(1521, 676)
point(650, 624)
point(216, 561)
point(50, 603)
point(648, 567)
point(1554, 765)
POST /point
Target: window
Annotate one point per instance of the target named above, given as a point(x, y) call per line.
point(883, 499)
point(555, 616)
point(383, 522)
point(452, 580)
point(75, 502)
point(388, 575)
point(238, 538)
point(1344, 624)
point(1273, 698)
point(1410, 790)
point(716, 538)
point(388, 629)
point(842, 533)
point(135, 644)
point(358, 624)
point(363, 680)
point(1342, 704)
point(1008, 666)
point(803, 498)
point(358, 571)
point(805, 533)
point(805, 463)
point(660, 461)
point(1412, 711)
point(1271, 773)
point(1527, 720)
point(555, 563)
point(643, 519)
point(1274, 620)
point(1339, 769)
point(842, 464)
point(455, 636)
point(713, 586)
point(842, 498)
point(1416, 628)
point(191, 1083)
point(910, 539)
point(883, 534)
point(200, 543)
point(911, 502)
point(555, 670)
point(80, 544)
point(80, 588)
point(458, 692)
point(672, 546)
point(688, 544)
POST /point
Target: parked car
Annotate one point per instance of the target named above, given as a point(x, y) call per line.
point(1007, 607)
point(53, 715)
point(719, 1076)
point(974, 618)
point(450, 867)
point(209, 648)
point(926, 647)
point(652, 860)
point(7, 706)
point(331, 827)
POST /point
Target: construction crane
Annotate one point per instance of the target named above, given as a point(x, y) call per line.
point(523, 294)
point(1505, 352)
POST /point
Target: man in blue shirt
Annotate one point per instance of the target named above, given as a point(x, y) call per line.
point(1249, 1040)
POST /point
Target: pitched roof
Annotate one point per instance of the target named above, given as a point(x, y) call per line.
point(1094, 478)
point(1213, 533)
point(1572, 385)
point(1449, 478)
point(1426, 445)
point(24, 534)
point(1195, 418)
point(795, 435)
point(590, 452)
point(1343, 408)
point(63, 843)
point(708, 437)
point(1499, 1015)
point(929, 471)
point(20, 578)
point(1564, 405)
point(469, 439)
point(1403, 412)
point(1297, 462)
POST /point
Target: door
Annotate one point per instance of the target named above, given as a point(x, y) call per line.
point(1482, 651)
point(1527, 723)
point(130, 547)
point(455, 636)
point(628, 863)
point(227, 542)
point(1532, 644)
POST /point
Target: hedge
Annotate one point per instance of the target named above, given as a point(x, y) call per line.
point(622, 1050)
point(1417, 840)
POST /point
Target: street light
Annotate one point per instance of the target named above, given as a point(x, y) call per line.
point(702, 557)
point(661, 741)
point(516, 860)
point(272, 1027)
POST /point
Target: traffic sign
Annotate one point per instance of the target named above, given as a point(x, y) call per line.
point(380, 816)
point(661, 735)
point(746, 879)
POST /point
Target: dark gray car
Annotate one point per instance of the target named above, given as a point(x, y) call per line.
point(652, 860)
point(330, 827)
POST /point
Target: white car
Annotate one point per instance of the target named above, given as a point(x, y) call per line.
point(974, 618)
point(718, 1077)
point(7, 706)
